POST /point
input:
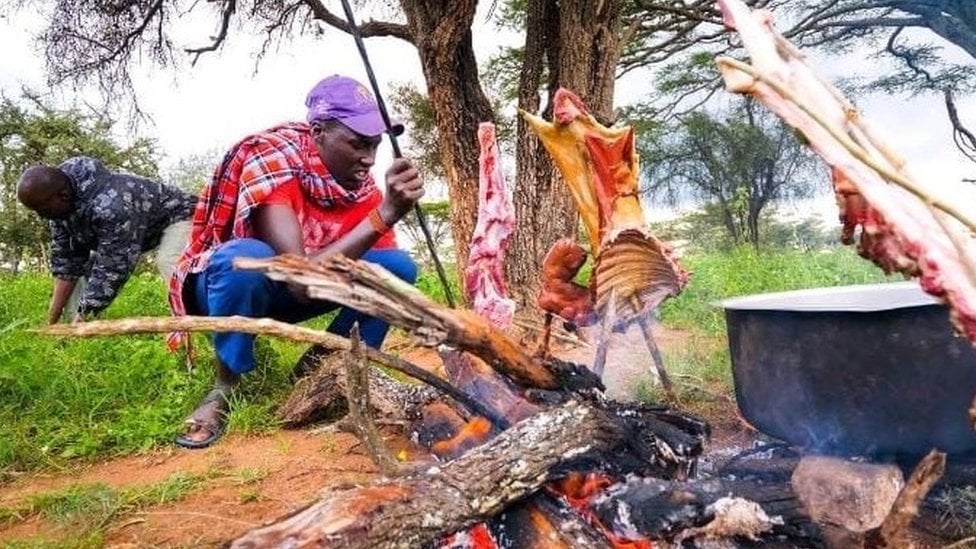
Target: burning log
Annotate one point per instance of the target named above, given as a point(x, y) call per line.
point(322, 395)
point(376, 292)
point(544, 523)
point(904, 225)
point(418, 509)
point(412, 510)
point(479, 381)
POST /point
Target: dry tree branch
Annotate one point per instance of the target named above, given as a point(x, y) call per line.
point(378, 293)
point(366, 29)
point(893, 531)
point(267, 326)
point(964, 139)
point(230, 6)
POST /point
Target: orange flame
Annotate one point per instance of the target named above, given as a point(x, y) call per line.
point(476, 537)
point(579, 490)
point(472, 434)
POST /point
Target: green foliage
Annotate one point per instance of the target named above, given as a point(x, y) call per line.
point(703, 230)
point(743, 271)
point(33, 132)
point(736, 166)
point(192, 172)
point(415, 109)
point(438, 216)
point(502, 73)
point(429, 283)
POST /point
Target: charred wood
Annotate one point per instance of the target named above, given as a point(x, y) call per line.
point(541, 522)
point(322, 395)
point(676, 511)
point(421, 508)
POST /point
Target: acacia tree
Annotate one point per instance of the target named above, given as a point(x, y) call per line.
point(579, 44)
point(675, 35)
point(31, 132)
point(737, 166)
point(571, 43)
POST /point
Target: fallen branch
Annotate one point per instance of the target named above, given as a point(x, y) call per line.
point(265, 326)
point(376, 292)
point(419, 509)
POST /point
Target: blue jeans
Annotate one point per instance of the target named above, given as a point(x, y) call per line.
point(222, 291)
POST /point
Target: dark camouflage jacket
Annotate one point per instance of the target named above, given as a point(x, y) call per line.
point(116, 217)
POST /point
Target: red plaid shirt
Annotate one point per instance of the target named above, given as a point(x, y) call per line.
point(248, 175)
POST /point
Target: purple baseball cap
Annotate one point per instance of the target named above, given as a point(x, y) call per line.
point(343, 99)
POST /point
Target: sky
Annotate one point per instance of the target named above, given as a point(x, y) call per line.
point(206, 108)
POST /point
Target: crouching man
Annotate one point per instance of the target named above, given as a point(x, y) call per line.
point(298, 188)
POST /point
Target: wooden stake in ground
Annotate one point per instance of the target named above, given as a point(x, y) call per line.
point(419, 509)
point(893, 532)
point(359, 421)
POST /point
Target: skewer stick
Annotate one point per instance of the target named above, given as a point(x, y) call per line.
point(652, 347)
point(603, 338)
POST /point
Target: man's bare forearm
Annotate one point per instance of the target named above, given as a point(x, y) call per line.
point(62, 291)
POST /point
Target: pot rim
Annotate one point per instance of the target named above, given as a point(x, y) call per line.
point(851, 298)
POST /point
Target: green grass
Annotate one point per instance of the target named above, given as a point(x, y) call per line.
point(63, 399)
point(744, 271)
point(87, 509)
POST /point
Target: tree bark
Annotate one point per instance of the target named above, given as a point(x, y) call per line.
point(441, 30)
point(416, 510)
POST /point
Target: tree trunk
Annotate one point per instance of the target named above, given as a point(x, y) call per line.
point(442, 35)
point(578, 43)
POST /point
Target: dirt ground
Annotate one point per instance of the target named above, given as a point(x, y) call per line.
point(251, 480)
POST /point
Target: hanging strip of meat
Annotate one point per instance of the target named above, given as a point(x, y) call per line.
point(484, 277)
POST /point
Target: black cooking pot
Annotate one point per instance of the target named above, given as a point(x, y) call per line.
point(855, 370)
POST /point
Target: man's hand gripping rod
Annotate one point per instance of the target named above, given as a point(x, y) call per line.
point(421, 218)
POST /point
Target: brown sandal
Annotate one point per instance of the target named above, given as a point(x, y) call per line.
point(215, 428)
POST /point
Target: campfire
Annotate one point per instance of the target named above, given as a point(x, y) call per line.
point(525, 450)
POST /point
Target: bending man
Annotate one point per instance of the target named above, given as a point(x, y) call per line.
point(101, 222)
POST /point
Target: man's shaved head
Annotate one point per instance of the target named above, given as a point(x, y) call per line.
point(45, 190)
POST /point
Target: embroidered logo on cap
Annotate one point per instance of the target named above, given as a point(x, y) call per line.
point(363, 96)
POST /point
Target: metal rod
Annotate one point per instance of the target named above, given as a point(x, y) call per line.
point(421, 218)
